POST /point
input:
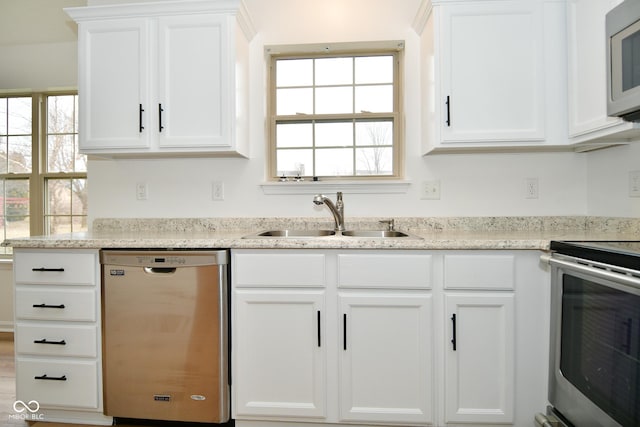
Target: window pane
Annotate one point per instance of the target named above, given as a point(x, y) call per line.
point(374, 69)
point(374, 133)
point(334, 71)
point(334, 100)
point(374, 99)
point(334, 134)
point(294, 72)
point(62, 136)
point(334, 162)
point(65, 198)
point(81, 159)
point(59, 197)
point(3, 116)
point(294, 135)
point(61, 114)
point(19, 148)
point(19, 116)
point(15, 207)
point(374, 161)
point(294, 101)
point(294, 162)
point(4, 163)
point(57, 224)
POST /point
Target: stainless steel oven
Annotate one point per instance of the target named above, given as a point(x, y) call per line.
point(595, 334)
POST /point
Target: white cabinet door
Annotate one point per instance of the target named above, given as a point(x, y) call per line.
point(492, 72)
point(479, 371)
point(192, 82)
point(279, 353)
point(587, 78)
point(385, 360)
point(114, 64)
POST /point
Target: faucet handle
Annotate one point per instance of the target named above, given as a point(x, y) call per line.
point(391, 223)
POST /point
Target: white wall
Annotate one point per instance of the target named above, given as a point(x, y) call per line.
point(608, 181)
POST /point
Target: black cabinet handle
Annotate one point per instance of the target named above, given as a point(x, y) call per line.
point(344, 331)
point(44, 341)
point(45, 377)
point(48, 306)
point(47, 269)
point(140, 111)
point(160, 110)
point(319, 331)
point(448, 103)
point(453, 323)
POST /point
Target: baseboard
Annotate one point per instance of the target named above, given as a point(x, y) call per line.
point(6, 326)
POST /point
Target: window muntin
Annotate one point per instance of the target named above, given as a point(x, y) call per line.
point(42, 176)
point(335, 115)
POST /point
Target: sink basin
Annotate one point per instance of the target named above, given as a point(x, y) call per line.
point(374, 233)
point(292, 234)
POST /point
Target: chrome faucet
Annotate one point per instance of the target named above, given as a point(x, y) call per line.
point(337, 210)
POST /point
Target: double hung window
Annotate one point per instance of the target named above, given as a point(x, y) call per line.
point(43, 179)
point(336, 112)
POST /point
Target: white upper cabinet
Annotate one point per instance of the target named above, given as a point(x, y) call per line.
point(492, 75)
point(589, 125)
point(163, 78)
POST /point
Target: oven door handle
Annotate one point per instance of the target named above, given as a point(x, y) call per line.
point(620, 277)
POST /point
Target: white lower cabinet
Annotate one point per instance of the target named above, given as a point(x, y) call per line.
point(281, 354)
point(385, 359)
point(57, 334)
point(479, 364)
point(366, 337)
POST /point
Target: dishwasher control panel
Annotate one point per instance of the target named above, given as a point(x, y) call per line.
point(167, 259)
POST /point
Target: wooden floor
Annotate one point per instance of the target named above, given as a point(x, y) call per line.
point(7, 383)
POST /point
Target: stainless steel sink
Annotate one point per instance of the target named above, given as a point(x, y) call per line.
point(308, 234)
point(374, 233)
point(291, 234)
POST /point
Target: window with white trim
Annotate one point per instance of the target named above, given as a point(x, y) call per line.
point(43, 178)
point(335, 111)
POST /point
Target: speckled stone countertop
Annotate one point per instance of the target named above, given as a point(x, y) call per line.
point(533, 233)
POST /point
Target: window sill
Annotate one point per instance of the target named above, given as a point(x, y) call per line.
point(348, 187)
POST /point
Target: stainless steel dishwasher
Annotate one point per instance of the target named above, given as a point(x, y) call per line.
point(165, 335)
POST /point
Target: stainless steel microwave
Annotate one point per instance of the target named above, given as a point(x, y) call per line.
point(623, 60)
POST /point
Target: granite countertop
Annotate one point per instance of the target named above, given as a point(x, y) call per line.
point(533, 233)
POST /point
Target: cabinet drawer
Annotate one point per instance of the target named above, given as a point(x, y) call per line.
point(279, 270)
point(47, 340)
point(57, 382)
point(40, 303)
point(477, 271)
point(55, 268)
point(395, 270)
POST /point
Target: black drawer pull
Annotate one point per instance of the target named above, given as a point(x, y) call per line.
point(47, 269)
point(48, 306)
point(44, 341)
point(45, 377)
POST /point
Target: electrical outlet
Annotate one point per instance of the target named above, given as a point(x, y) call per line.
point(217, 190)
point(531, 188)
point(142, 191)
point(430, 190)
point(634, 184)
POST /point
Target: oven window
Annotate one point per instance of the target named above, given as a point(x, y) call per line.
point(631, 61)
point(600, 346)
